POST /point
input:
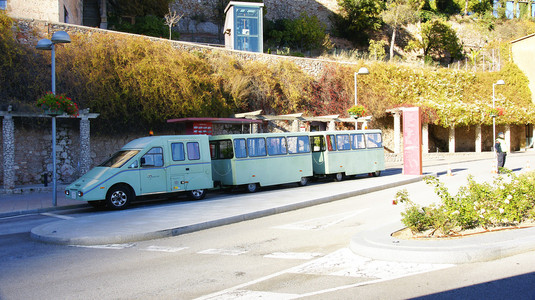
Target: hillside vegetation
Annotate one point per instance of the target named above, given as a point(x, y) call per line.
point(137, 84)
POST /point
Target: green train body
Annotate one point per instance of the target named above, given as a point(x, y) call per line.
point(193, 163)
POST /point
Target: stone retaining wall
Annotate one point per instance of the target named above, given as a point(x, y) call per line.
point(201, 23)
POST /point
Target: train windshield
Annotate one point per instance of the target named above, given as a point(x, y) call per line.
point(119, 159)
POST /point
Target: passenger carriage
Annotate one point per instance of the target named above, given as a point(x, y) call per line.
point(263, 159)
point(344, 153)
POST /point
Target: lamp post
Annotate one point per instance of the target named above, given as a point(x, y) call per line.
point(45, 44)
point(362, 71)
point(499, 82)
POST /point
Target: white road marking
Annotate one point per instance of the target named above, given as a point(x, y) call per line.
point(17, 216)
point(110, 246)
point(223, 252)
point(294, 255)
point(321, 222)
point(345, 263)
point(250, 295)
point(340, 263)
point(164, 249)
point(57, 216)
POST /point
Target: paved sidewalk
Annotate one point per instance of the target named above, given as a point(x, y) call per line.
point(35, 199)
point(144, 223)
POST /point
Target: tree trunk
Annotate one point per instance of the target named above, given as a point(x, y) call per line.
point(392, 42)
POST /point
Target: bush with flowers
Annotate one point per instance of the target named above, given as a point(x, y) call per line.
point(502, 203)
point(357, 110)
point(58, 103)
point(496, 112)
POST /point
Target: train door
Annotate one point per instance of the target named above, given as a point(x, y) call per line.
point(318, 153)
point(153, 176)
point(189, 168)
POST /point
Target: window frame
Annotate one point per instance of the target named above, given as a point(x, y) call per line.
point(154, 160)
point(372, 143)
point(281, 147)
point(256, 147)
point(193, 152)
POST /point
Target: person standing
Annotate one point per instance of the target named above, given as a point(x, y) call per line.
point(501, 147)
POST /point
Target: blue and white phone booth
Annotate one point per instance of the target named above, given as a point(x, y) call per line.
point(243, 26)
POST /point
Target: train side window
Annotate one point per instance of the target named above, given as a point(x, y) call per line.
point(374, 140)
point(276, 145)
point(357, 141)
point(298, 144)
point(193, 151)
point(318, 143)
point(304, 144)
point(256, 147)
point(342, 141)
point(153, 158)
point(240, 149)
point(177, 151)
point(331, 146)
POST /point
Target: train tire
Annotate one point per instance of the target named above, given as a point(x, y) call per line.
point(197, 194)
point(252, 187)
point(119, 197)
point(304, 181)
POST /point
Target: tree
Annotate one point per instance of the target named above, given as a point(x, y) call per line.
point(171, 19)
point(357, 18)
point(304, 33)
point(481, 8)
point(397, 14)
point(438, 41)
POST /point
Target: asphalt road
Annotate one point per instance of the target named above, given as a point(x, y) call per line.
point(297, 254)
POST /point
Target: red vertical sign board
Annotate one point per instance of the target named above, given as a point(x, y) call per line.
point(412, 141)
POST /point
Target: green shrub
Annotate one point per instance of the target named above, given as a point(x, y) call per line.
point(507, 201)
point(305, 33)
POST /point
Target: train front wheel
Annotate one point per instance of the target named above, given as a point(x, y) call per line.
point(252, 187)
point(339, 177)
point(304, 181)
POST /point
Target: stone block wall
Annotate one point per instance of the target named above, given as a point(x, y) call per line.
point(39, 9)
point(201, 23)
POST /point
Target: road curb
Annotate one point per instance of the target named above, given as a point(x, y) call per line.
point(379, 244)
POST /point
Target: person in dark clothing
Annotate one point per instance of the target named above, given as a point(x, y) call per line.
point(501, 147)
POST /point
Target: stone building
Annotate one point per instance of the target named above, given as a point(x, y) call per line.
point(78, 12)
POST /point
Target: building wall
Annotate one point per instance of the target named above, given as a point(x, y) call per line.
point(47, 10)
point(523, 50)
point(36, 9)
point(74, 10)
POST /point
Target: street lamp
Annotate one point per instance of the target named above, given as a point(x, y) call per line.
point(58, 37)
point(499, 82)
point(362, 71)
